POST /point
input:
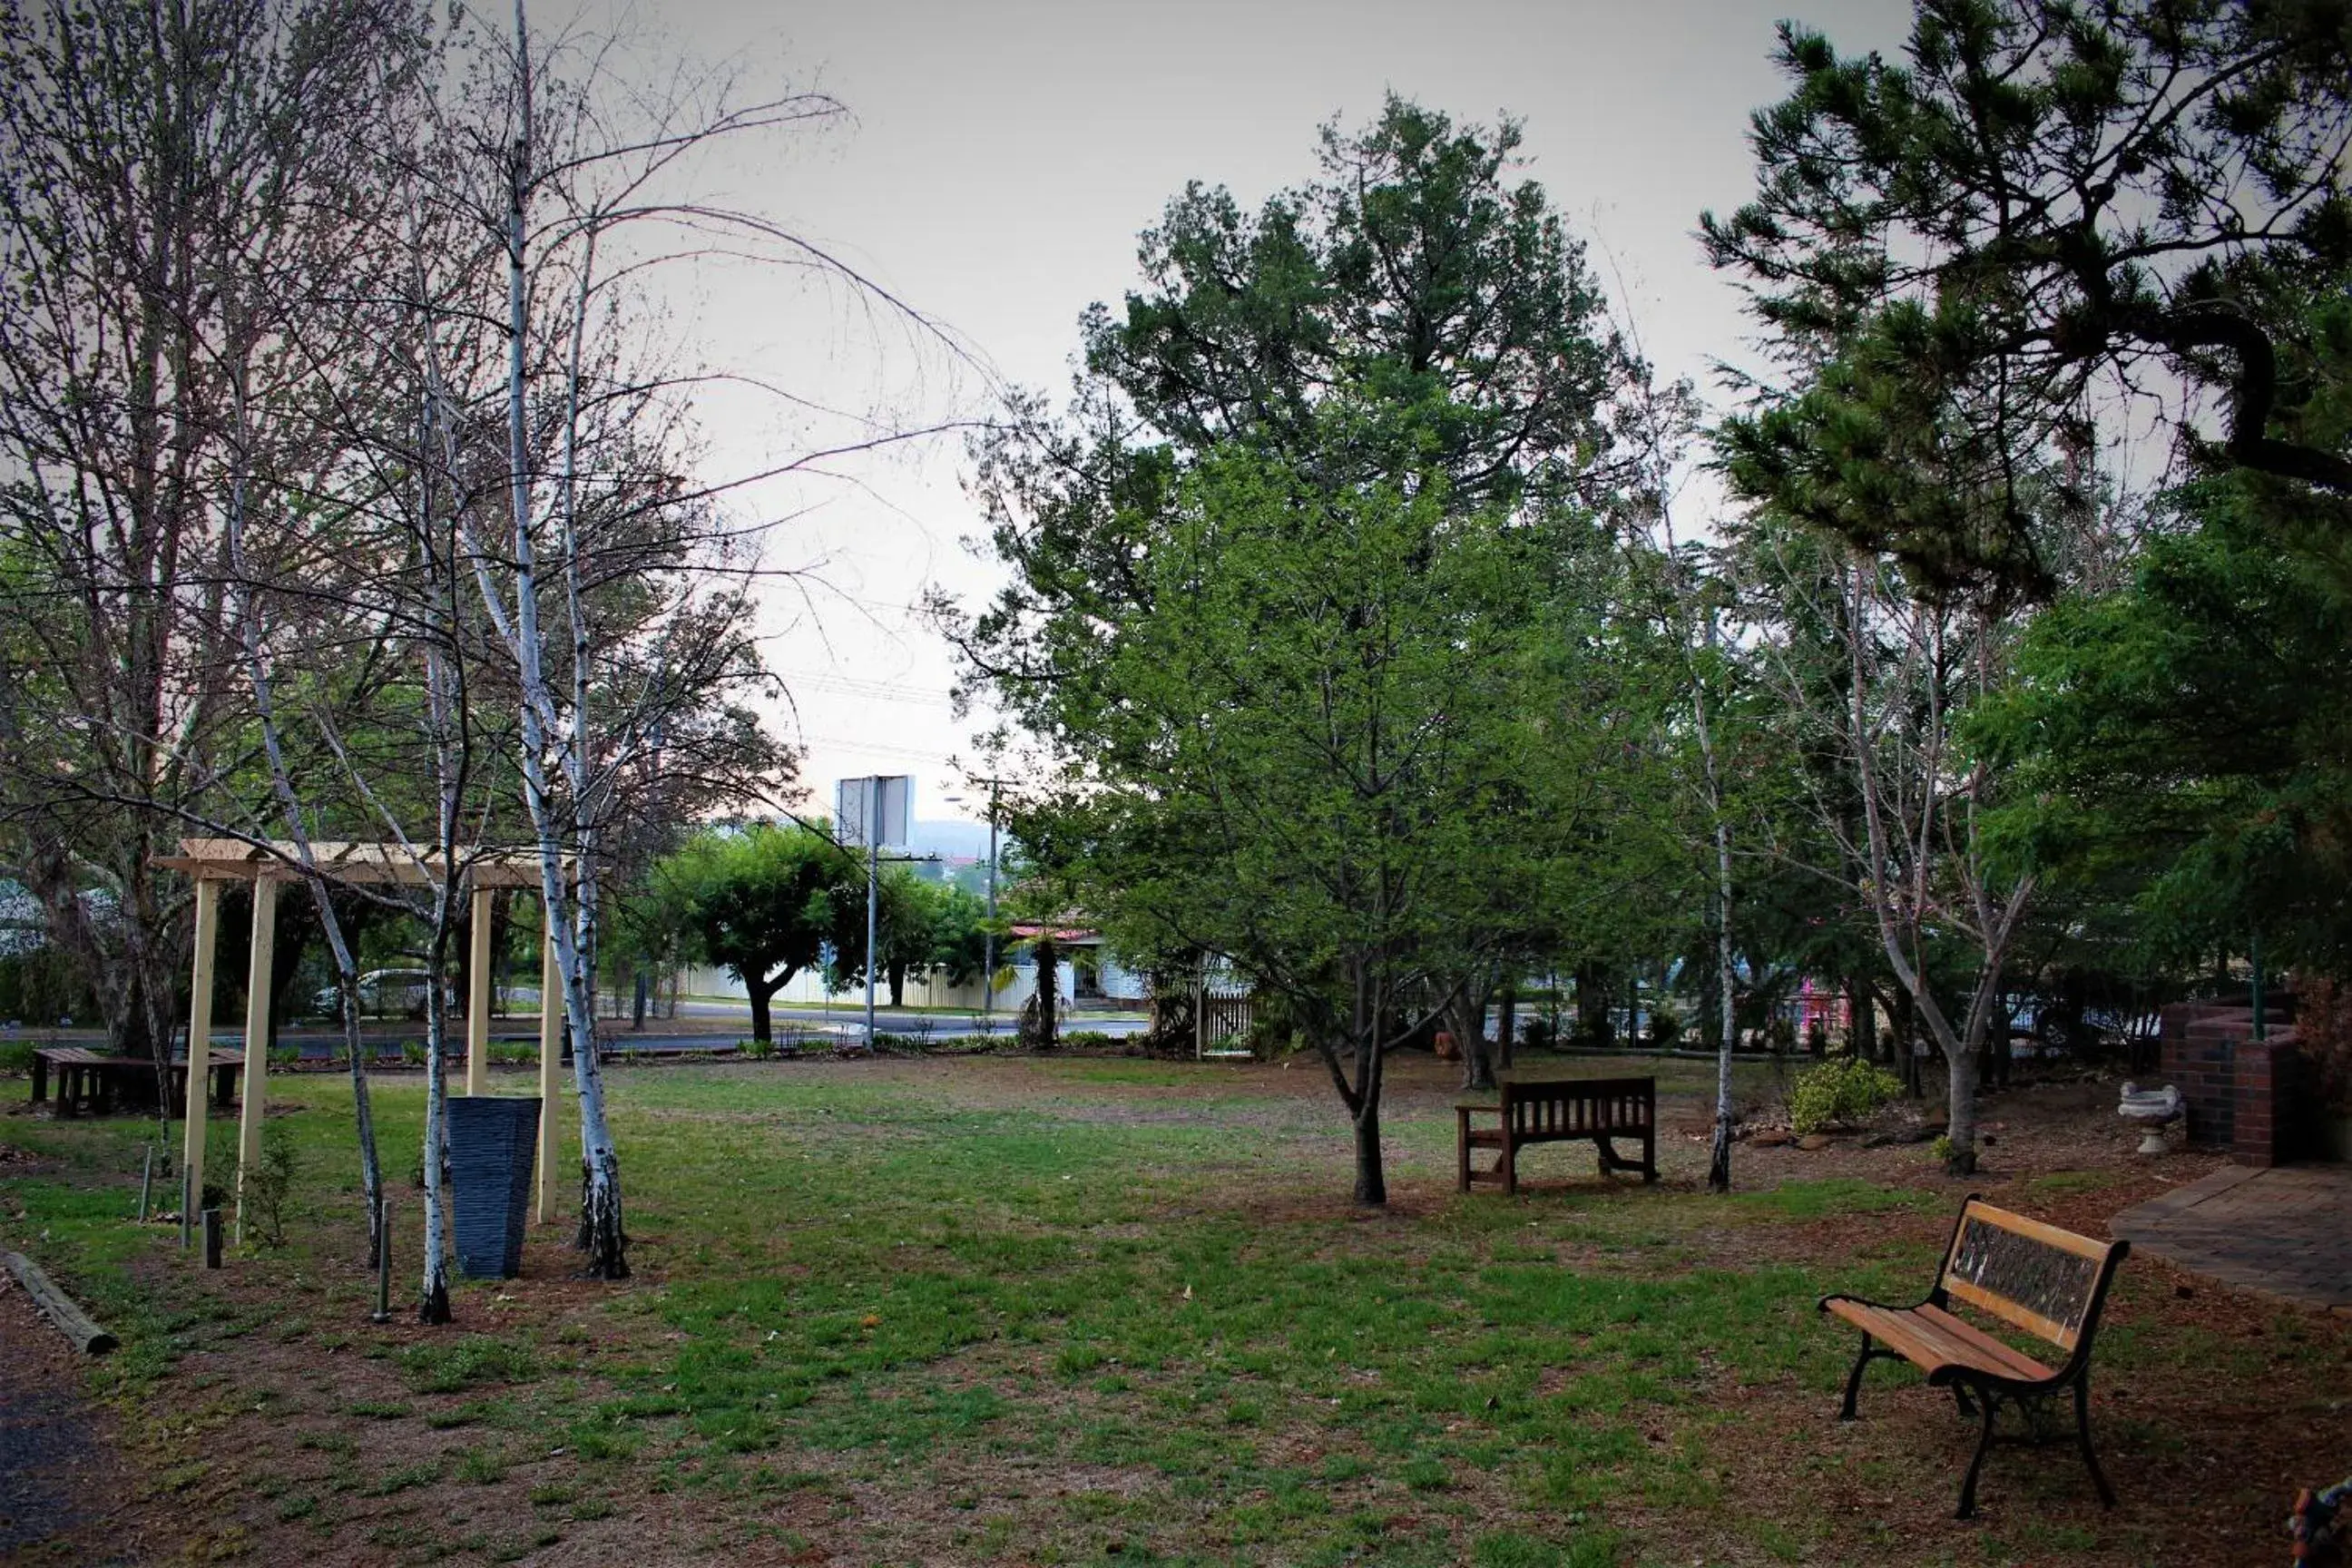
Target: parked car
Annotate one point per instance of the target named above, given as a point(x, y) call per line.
point(381, 991)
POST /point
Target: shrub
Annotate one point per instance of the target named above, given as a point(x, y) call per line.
point(759, 1050)
point(16, 1056)
point(266, 1187)
point(1535, 1034)
point(2323, 1025)
point(1840, 1091)
point(1666, 1026)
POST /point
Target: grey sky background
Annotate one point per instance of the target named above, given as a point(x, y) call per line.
point(1002, 158)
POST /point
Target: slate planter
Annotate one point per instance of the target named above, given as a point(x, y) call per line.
point(492, 1142)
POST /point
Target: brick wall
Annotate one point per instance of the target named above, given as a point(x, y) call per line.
point(2243, 1094)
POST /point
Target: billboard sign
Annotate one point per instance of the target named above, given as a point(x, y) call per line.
point(889, 797)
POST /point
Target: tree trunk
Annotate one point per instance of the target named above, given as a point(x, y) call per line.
point(1592, 1027)
point(432, 1295)
point(1506, 1027)
point(1371, 1185)
point(760, 990)
point(1906, 1030)
point(1040, 1024)
point(1718, 1162)
point(1468, 1017)
point(1960, 1130)
point(897, 975)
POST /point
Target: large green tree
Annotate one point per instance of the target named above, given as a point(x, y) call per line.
point(759, 902)
point(1303, 590)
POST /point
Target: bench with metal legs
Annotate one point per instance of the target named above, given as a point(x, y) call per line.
point(2048, 1282)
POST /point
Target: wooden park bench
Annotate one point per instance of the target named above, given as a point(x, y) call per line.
point(2036, 1278)
point(95, 1081)
point(1557, 1111)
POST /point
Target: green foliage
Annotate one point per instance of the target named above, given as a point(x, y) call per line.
point(921, 925)
point(269, 1183)
point(2178, 763)
point(1960, 247)
point(1335, 693)
point(1838, 1093)
point(760, 901)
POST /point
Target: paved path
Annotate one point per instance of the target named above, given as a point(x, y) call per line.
point(2285, 1231)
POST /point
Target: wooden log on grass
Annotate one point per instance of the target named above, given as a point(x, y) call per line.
point(58, 1307)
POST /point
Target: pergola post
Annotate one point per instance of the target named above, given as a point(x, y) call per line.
point(478, 999)
point(550, 1052)
point(257, 1040)
point(200, 1056)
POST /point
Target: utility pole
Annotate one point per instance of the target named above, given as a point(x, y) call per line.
point(872, 893)
point(988, 932)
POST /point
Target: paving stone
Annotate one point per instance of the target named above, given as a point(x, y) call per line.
point(2281, 1231)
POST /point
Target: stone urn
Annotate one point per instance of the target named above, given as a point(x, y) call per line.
point(2153, 1109)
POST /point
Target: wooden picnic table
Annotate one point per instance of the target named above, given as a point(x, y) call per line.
point(94, 1080)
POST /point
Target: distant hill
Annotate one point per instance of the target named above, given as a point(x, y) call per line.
point(963, 841)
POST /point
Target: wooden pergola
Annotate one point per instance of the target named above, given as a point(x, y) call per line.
point(213, 861)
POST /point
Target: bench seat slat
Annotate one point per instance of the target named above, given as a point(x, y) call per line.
point(1931, 1345)
point(1984, 1344)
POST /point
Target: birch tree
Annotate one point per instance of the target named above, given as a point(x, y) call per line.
point(576, 185)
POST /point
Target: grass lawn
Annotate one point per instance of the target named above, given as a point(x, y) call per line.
point(1027, 1310)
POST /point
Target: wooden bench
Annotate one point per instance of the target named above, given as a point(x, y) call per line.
point(2036, 1278)
point(1557, 1111)
point(96, 1082)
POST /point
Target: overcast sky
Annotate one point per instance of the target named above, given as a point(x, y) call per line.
point(1001, 160)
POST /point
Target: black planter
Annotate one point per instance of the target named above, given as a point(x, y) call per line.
point(492, 1143)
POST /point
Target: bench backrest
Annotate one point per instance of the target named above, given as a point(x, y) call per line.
point(1574, 1105)
point(2045, 1280)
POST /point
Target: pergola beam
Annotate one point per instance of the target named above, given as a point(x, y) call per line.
point(375, 864)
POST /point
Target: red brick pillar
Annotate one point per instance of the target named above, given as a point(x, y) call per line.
point(2262, 1121)
point(2200, 1043)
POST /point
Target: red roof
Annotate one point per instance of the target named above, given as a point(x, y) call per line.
point(1031, 931)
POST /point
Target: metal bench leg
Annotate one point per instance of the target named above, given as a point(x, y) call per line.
point(1461, 1150)
point(1984, 1445)
point(1510, 1160)
point(1853, 1379)
point(2083, 1436)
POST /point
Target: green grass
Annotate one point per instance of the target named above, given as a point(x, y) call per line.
point(981, 1290)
